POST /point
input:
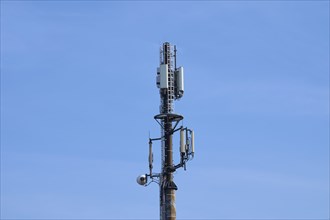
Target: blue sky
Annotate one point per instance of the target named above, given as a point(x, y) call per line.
point(78, 97)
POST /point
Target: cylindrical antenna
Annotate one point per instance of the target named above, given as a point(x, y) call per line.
point(182, 141)
point(187, 141)
point(192, 143)
point(174, 57)
point(150, 157)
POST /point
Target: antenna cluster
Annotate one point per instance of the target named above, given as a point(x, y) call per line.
point(170, 81)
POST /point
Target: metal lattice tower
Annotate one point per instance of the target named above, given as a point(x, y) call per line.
point(170, 83)
point(167, 57)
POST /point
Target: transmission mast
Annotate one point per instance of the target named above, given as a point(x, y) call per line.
point(170, 81)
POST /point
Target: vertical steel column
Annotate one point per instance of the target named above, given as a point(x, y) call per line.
point(167, 186)
point(169, 189)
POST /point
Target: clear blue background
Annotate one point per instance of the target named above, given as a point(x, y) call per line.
point(78, 97)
